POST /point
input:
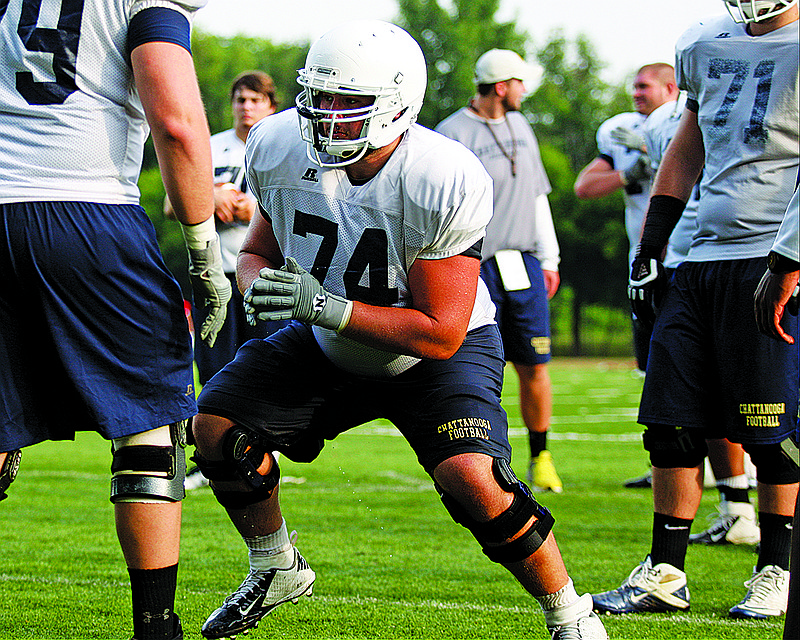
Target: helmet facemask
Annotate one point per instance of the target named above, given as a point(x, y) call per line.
point(749, 11)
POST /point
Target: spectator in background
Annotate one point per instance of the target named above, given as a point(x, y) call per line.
point(520, 252)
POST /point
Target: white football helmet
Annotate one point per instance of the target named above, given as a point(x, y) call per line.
point(364, 58)
point(756, 10)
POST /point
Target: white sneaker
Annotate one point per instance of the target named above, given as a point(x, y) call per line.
point(194, 479)
point(767, 595)
point(259, 594)
point(735, 524)
point(648, 589)
point(575, 622)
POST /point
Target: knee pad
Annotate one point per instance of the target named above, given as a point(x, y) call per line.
point(150, 466)
point(671, 447)
point(492, 535)
point(9, 470)
point(243, 453)
point(772, 465)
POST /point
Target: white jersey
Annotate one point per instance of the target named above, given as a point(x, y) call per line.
point(431, 200)
point(71, 123)
point(227, 155)
point(745, 91)
point(659, 128)
point(621, 158)
point(788, 238)
point(518, 223)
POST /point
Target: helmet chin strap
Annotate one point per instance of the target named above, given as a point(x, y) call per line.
point(316, 156)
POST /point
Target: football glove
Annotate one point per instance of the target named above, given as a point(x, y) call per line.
point(292, 292)
point(212, 289)
point(629, 139)
point(646, 288)
point(638, 171)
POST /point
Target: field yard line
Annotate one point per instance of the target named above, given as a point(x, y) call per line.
point(368, 600)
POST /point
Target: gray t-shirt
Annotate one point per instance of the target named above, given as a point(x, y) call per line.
point(517, 222)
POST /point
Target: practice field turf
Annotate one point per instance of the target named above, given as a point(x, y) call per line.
point(390, 563)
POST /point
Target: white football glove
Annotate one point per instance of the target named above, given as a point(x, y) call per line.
point(629, 139)
point(212, 289)
point(292, 292)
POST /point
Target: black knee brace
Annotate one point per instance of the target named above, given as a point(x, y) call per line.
point(9, 471)
point(243, 454)
point(671, 447)
point(772, 465)
point(492, 535)
point(150, 472)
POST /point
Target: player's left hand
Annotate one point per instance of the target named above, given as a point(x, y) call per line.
point(212, 289)
point(629, 139)
point(775, 293)
point(292, 292)
point(646, 288)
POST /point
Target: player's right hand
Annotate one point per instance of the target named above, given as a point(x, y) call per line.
point(212, 289)
point(646, 288)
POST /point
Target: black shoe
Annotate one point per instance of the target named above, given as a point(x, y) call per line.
point(643, 482)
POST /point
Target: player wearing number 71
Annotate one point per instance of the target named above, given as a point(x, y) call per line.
point(711, 374)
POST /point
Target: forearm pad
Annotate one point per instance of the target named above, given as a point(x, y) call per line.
point(662, 216)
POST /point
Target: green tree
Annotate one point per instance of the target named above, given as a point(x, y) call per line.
point(566, 110)
point(452, 41)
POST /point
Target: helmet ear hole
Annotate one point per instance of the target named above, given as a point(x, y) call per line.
point(399, 115)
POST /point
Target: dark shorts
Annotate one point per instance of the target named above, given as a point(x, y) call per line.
point(285, 389)
point(523, 317)
point(709, 366)
point(93, 335)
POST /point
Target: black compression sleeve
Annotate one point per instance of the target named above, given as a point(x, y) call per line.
point(662, 216)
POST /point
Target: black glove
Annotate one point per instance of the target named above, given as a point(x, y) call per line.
point(646, 288)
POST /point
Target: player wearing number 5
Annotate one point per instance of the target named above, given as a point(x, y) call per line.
point(711, 373)
point(369, 238)
point(93, 335)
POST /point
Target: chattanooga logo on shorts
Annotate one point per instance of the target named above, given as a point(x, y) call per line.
point(466, 428)
point(541, 345)
point(763, 415)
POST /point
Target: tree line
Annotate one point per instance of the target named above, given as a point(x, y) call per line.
point(565, 112)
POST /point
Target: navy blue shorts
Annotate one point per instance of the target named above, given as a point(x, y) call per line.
point(93, 335)
point(523, 317)
point(284, 388)
point(710, 367)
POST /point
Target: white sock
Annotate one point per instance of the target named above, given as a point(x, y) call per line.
point(270, 551)
point(566, 595)
point(735, 482)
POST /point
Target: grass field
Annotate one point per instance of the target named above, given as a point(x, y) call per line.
point(389, 561)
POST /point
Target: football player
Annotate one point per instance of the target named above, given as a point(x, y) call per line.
point(623, 163)
point(94, 335)
point(368, 238)
point(711, 372)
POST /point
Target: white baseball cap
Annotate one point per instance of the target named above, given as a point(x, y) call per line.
point(498, 65)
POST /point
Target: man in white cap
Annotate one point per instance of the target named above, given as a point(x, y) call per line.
point(520, 252)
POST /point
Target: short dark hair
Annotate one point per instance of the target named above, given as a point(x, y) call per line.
point(257, 81)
